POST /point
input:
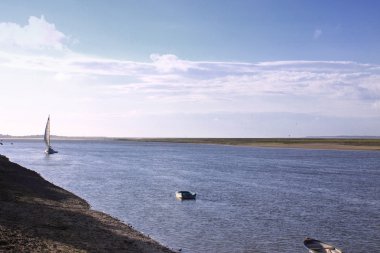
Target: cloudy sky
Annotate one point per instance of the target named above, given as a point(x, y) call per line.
point(197, 68)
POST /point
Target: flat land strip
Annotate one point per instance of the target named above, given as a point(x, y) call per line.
point(306, 143)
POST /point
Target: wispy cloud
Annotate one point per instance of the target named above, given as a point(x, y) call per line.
point(319, 78)
point(169, 62)
point(168, 77)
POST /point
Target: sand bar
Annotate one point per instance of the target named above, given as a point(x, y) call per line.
point(302, 143)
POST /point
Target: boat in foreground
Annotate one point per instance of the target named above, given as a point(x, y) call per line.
point(49, 150)
point(185, 195)
point(315, 246)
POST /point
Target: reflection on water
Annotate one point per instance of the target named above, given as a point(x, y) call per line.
point(249, 199)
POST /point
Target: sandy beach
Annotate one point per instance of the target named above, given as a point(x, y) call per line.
point(37, 216)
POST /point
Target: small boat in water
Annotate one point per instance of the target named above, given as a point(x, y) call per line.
point(185, 195)
point(49, 150)
point(315, 246)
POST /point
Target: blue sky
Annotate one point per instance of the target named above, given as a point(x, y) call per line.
point(221, 30)
point(190, 68)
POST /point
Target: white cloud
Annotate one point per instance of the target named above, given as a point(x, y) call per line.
point(339, 84)
point(317, 33)
point(37, 34)
point(170, 62)
point(169, 75)
point(36, 61)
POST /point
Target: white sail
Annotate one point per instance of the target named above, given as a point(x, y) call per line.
point(47, 133)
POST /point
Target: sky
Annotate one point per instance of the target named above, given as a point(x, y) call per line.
point(176, 68)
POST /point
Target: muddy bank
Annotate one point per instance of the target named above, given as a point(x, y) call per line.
point(37, 216)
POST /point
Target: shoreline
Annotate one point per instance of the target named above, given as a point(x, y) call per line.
point(36, 215)
point(359, 144)
point(316, 146)
point(293, 143)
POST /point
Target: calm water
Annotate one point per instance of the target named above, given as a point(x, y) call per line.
point(249, 199)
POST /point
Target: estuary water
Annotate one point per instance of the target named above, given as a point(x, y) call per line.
point(249, 199)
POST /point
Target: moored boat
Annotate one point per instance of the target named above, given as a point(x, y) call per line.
point(315, 246)
point(185, 195)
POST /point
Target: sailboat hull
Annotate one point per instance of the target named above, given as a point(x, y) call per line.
point(50, 151)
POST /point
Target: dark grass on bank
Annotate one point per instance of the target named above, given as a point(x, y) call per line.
point(258, 141)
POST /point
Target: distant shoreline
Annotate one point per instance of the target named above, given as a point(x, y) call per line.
point(339, 143)
point(302, 143)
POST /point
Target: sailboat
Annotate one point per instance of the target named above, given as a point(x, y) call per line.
point(49, 149)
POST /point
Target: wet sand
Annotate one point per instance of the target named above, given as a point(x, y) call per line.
point(37, 216)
